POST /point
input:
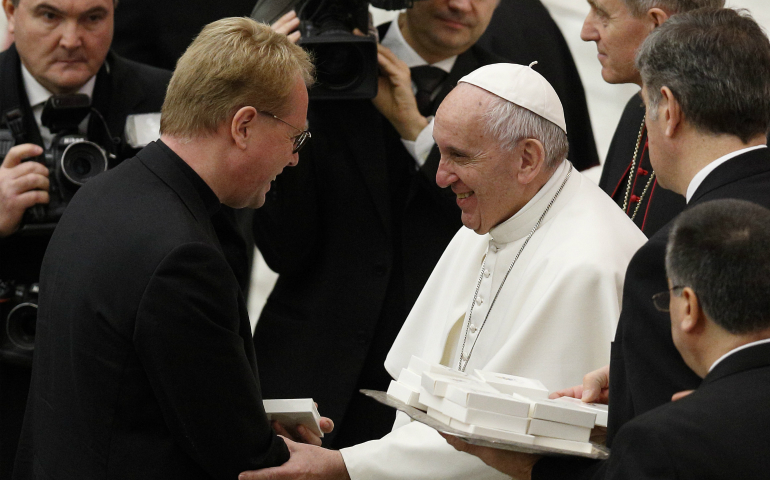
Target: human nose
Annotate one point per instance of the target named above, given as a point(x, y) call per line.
point(70, 36)
point(589, 33)
point(444, 175)
point(462, 5)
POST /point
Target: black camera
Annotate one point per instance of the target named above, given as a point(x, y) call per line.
point(18, 317)
point(72, 159)
point(346, 64)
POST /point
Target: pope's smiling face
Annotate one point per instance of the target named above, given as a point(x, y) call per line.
point(482, 175)
point(63, 43)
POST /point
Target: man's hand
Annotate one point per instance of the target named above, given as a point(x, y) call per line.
point(288, 25)
point(516, 464)
point(595, 388)
point(303, 434)
point(681, 395)
point(307, 462)
point(22, 185)
point(395, 97)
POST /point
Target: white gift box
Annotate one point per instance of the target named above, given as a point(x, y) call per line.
point(598, 408)
point(510, 384)
point(492, 432)
point(562, 412)
point(572, 446)
point(410, 379)
point(436, 383)
point(545, 428)
point(483, 418)
point(436, 415)
point(405, 394)
point(291, 412)
point(491, 401)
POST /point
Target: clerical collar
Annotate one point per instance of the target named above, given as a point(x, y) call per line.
point(521, 223)
point(38, 94)
point(705, 171)
point(735, 350)
point(395, 41)
point(209, 198)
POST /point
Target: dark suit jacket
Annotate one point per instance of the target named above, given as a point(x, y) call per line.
point(645, 367)
point(720, 432)
point(354, 232)
point(658, 205)
point(144, 365)
point(522, 31)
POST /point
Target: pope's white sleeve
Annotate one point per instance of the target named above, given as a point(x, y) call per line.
point(417, 452)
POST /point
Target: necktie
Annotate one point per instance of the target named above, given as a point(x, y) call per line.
point(427, 79)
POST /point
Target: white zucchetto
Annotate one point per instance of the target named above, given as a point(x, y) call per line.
point(521, 85)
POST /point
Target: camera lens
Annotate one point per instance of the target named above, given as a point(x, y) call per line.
point(82, 161)
point(21, 325)
point(339, 66)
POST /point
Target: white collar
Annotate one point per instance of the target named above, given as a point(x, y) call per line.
point(705, 171)
point(38, 94)
point(742, 347)
point(522, 222)
point(396, 42)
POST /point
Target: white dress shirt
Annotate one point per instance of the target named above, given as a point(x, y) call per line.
point(38, 95)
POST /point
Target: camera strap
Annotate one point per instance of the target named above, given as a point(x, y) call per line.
point(15, 111)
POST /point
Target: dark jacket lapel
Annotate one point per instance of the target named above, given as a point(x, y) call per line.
point(746, 165)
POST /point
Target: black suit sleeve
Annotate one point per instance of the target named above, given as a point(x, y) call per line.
point(190, 344)
point(639, 453)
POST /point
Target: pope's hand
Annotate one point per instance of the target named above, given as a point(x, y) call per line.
point(516, 464)
point(307, 462)
point(288, 25)
point(22, 185)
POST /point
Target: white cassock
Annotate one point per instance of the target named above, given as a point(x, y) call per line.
point(553, 320)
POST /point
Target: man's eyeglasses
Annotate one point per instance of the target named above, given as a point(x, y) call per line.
point(299, 140)
point(661, 300)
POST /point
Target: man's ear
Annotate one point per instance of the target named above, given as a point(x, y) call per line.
point(656, 16)
point(532, 159)
point(671, 111)
point(242, 126)
point(9, 10)
point(694, 319)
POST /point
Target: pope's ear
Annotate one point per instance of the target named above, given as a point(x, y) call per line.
point(532, 159)
point(242, 126)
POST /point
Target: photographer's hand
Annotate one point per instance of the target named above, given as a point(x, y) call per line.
point(22, 185)
point(395, 97)
point(288, 25)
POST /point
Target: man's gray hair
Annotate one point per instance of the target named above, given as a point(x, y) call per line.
point(640, 7)
point(717, 64)
point(509, 123)
point(720, 250)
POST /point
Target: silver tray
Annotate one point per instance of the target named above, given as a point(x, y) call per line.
point(598, 452)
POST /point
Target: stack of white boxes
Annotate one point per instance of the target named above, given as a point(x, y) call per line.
point(499, 406)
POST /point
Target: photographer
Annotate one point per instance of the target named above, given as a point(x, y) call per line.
point(61, 47)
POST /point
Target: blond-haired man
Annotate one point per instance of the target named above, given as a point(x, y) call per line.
point(144, 365)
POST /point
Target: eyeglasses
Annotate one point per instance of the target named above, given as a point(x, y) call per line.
point(299, 140)
point(661, 300)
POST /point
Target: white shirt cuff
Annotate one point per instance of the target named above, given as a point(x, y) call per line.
point(420, 148)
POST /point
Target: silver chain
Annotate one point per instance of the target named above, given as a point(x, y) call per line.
point(462, 366)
